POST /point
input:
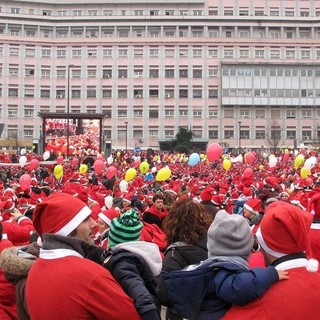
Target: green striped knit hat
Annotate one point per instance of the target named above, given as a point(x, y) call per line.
point(125, 228)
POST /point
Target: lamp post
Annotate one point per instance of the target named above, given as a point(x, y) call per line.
point(239, 123)
point(126, 136)
point(68, 106)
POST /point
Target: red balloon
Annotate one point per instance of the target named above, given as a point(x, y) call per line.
point(249, 157)
point(98, 166)
point(74, 161)
point(33, 164)
point(214, 151)
point(286, 157)
point(111, 171)
point(25, 182)
point(59, 159)
point(247, 173)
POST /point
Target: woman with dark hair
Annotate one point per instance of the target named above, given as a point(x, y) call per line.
point(186, 231)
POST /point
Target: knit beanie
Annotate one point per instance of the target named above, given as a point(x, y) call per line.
point(229, 235)
point(125, 228)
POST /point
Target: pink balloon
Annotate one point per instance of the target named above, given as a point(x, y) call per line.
point(59, 159)
point(98, 166)
point(137, 163)
point(214, 151)
point(74, 161)
point(249, 157)
point(33, 164)
point(25, 182)
point(247, 173)
point(111, 171)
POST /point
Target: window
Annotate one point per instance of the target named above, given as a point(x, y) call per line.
point(76, 53)
point(260, 134)
point(153, 114)
point(28, 113)
point(107, 52)
point(213, 113)
point(260, 114)
point(75, 94)
point(13, 92)
point(14, 51)
point(229, 113)
point(45, 93)
point(197, 73)
point(169, 113)
point(305, 54)
point(154, 52)
point(197, 113)
point(169, 94)
point(92, 12)
point(138, 12)
point(123, 73)
point(137, 114)
point(228, 12)
point(123, 53)
point(244, 113)
point(92, 73)
point(91, 93)
point(107, 73)
point(259, 53)
point(228, 53)
point(213, 134)
point(61, 74)
point(29, 93)
point(291, 134)
point(274, 54)
point(12, 113)
point(46, 53)
point(154, 73)
point(183, 113)
point(46, 12)
point(183, 73)
point(306, 114)
point(153, 134)
point(61, 53)
point(183, 93)
point(92, 53)
point(213, 53)
point(62, 13)
point(15, 10)
point(244, 54)
point(169, 134)
point(122, 94)
point(213, 73)
point(30, 52)
point(106, 93)
point(169, 12)
point(244, 134)
point(154, 12)
point(306, 135)
point(228, 134)
point(197, 53)
point(13, 72)
point(122, 113)
point(153, 93)
point(213, 93)
point(290, 54)
point(197, 93)
point(169, 73)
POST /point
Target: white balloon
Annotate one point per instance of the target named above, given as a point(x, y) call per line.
point(310, 163)
point(296, 152)
point(23, 151)
point(46, 155)
point(108, 201)
point(22, 161)
point(110, 160)
point(273, 162)
point(154, 169)
point(123, 185)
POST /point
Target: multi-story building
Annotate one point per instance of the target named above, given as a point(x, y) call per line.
point(231, 71)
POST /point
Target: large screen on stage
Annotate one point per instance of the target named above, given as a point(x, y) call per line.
point(84, 135)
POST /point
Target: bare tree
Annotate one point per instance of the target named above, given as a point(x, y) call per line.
point(274, 135)
point(14, 137)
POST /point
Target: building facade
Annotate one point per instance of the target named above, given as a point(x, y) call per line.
point(233, 72)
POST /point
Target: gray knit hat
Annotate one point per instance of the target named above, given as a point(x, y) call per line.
point(229, 235)
point(125, 228)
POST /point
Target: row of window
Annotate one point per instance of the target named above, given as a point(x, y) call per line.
point(227, 53)
point(213, 11)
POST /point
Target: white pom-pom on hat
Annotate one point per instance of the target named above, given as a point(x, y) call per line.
point(312, 265)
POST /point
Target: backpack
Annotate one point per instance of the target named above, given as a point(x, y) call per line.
point(153, 233)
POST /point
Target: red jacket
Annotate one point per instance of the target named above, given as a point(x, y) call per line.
point(314, 236)
point(18, 232)
point(295, 298)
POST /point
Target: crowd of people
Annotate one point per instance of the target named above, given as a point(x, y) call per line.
point(207, 236)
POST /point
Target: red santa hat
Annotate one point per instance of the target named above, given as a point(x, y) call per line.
point(254, 206)
point(128, 198)
point(301, 200)
point(108, 215)
point(206, 194)
point(7, 204)
point(285, 230)
point(60, 213)
point(314, 205)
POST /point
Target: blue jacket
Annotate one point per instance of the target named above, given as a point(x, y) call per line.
point(208, 291)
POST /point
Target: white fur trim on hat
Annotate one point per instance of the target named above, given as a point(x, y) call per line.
point(250, 209)
point(265, 246)
point(104, 218)
point(74, 222)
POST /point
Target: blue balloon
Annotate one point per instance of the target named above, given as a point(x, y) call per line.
point(193, 159)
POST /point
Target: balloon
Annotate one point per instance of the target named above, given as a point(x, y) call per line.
point(111, 171)
point(23, 151)
point(59, 159)
point(33, 164)
point(74, 161)
point(23, 161)
point(109, 160)
point(98, 166)
point(214, 151)
point(310, 163)
point(118, 154)
point(154, 169)
point(298, 161)
point(304, 172)
point(144, 167)
point(25, 182)
point(273, 162)
point(123, 185)
point(58, 171)
point(265, 155)
point(226, 164)
point(194, 159)
point(46, 155)
point(163, 174)
point(83, 169)
point(249, 156)
point(247, 173)
point(108, 201)
point(130, 174)
point(261, 167)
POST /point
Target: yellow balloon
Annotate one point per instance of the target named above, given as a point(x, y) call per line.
point(58, 171)
point(226, 164)
point(163, 174)
point(130, 174)
point(304, 173)
point(83, 169)
point(144, 167)
point(261, 167)
point(298, 161)
point(202, 156)
point(118, 154)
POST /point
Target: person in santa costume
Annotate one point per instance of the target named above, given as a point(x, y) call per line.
point(284, 241)
point(89, 291)
point(156, 213)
